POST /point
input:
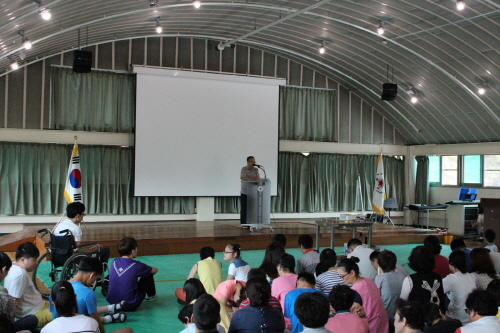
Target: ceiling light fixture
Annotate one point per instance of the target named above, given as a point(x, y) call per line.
point(25, 40)
point(482, 88)
point(44, 12)
point(322, 48)
point(414, 99)
point(158, 28)
point(196, 3)
point(413, 93)
point(460, 5)
point(380, 29)
point(13, 64)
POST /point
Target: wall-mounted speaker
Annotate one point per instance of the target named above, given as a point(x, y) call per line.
point(389, 91)
point(82, 61)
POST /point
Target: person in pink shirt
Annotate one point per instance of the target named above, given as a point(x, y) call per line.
point(378, 321)
point(341, 299)
point(442, 266)
point(287, 279)
point(230, 290)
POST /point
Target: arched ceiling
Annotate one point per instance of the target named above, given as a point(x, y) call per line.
point(443, 53)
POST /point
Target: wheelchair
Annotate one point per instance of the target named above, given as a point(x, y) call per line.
point(61, 261)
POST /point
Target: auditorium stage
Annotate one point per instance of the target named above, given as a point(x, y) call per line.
point(177, 237)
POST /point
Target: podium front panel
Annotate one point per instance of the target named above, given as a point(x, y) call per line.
point(259, 201)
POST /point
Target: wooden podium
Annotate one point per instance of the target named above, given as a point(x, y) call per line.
point(491, 209)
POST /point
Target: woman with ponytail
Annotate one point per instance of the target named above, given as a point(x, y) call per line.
point(376, 314)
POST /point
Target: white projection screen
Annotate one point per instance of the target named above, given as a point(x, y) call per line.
point(195, 130)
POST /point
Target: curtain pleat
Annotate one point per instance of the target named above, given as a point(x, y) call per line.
point(307, 114)
point(327, 182)
point(422, 180)
point(96, 101)
point(32, 179)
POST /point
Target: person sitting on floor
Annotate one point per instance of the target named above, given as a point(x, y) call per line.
point(313, 311)
point(459, 244)
point(489, 237)
point(356, 249)
point(494, 290)
point(269, 264)
point(305, 284)
point(287, 279)
point(482, 267)
point(273, 301)
point(409, 318)
point(280, 239)
point(482, 310)
point(341, 299)
point(328, 275)
point(20, 286)
point(238, 268)
point(186, 317)
point(28, 323)
point(310, 258)
point(89, 271)
point(209, 270)
point(441, 262)
point(259, 314)
point(206, 314)
point(68, 320)
point(124, 273)
point(437, 322)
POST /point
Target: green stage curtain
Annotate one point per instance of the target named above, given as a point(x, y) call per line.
point(33, 176)
point(307, 114)
point(327, 182)
point(422, 180)
point(96, 101)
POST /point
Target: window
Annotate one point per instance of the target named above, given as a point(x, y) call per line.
point(492, 170)
point(449, 170)
point(434, 169)
point(471, 173)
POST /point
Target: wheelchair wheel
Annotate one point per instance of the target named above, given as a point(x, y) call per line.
point(70, 267)
point(45, 275)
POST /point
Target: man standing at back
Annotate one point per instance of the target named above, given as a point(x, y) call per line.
point(356, 249)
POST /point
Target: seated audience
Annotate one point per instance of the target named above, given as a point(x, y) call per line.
point(459, 244)
point(489, 237)
point(205, 314)
point(423, 286)
point(230, 291)
point(238, 268)
point(494, 289)
point(356, 249)
point(440, 262)
point(482, 310)
point(372, 302)
point(89, 271)
point(389, 283)
point(130, 280)
point(482, 268)
point(273, 252)
point(457, 286)
point(399, 269)
point(305, 284)
point(273, 301)
point(209, 271)
point(330, 277)
point(287, 279)
point(437, 322)
point(310, 258)
point(280, 239)
point(341, 300)
point(193, 288)
point(409, 318)
point(186, 316)
point(28, 323)
point(312, 310)
point(28, 301)
point(63, 297)
point(259, 315)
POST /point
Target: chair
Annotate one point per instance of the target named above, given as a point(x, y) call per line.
point(390, 204)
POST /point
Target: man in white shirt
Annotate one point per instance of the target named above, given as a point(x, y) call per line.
point(356, 249)
point(482, 310)
point(28, 301)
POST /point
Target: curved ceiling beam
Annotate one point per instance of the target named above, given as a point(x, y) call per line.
point(448, 75)
point(273, 47)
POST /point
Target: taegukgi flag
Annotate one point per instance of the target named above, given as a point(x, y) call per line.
point(379, 190)
point(73, 189)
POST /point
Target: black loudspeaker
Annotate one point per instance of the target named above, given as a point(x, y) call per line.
point(389, 91)
point(82, 61)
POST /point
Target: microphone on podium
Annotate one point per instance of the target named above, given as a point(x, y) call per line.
point(257, 165)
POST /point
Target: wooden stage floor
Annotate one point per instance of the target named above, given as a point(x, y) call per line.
point(175, 237)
